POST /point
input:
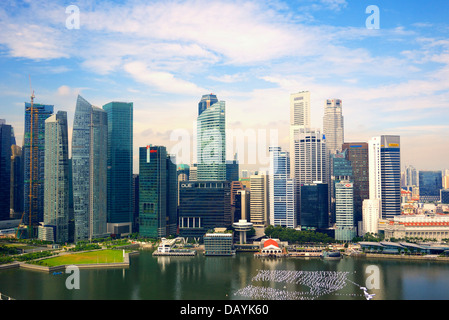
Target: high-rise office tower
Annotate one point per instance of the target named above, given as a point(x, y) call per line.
point(385, 174)
point(311, 161)
point(203, 206)
point(340, 169)
point(206, 101)
point(300, 109)
point(357, 154)
point(34, 153)
point(157, 192)
point(333, 127)
point(232, 169)
point(446, 179)
point(311, 157)
point(172, 197)
point(344, 210)
point(211, 141)
point(314, 206)
point(281, 190)
point(16, 181)
point(120, 166)
point(5, 169)
point(430, 184)
point(56, 185)
point(89, 170)
point(259, 200)
point(299, 119)
point(410, 178)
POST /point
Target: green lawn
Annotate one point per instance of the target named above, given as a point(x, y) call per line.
point(100, 256)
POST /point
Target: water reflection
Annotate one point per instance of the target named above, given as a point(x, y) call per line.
point(199, 277)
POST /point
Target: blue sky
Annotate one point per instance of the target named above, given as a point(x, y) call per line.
point(163, 55)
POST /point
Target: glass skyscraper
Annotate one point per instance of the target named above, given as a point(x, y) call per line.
point(34, 153)
point(89, 170)
point(56, 186)
point(282, 191)
point(314, 206)
point(344, 209)
point(157, 192)
point(211, 140)
point(385, 174)
point(206, 101)
point(120, 167)
point(5, 169)
point(357, 154)
point(430, 184)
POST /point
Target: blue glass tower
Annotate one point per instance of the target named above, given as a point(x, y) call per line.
point(89, 170)
point(5, 169)
point(120, 166)
point(211, 141)
point(34, 156)
point(430, 184)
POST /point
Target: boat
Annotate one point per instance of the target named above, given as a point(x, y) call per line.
point(331, 254)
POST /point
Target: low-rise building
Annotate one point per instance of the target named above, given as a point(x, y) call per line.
point(218, 243)
point(420, 226)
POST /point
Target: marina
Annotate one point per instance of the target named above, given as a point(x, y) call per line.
point(238, 277)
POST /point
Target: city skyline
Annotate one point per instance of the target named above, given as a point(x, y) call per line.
point(163, 57)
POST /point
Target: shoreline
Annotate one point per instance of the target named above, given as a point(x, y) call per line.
point(35, 267)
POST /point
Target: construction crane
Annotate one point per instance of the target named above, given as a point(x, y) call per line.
point(32, 192)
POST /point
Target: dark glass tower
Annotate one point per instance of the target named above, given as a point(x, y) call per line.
point(203, 206)
point(357, 154)
point(206, 101)
point(34, 155)
point(314, 206)
point(5, 169)
point(157, 192)
point(430, 184)
point(390, 166)
point(120, 166)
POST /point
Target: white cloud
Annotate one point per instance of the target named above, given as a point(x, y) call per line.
point(162, 81)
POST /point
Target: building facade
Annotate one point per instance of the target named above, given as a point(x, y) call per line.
point(157, 192)
point(89, 170)
point(357, 154)
point(203, 206)
point(333, 125)
point(385, 173)
point(5, 169)
point(211, 142)
point(56, 185)
point(430, 184)
point(34, 153)
point(345, 229)
point(314, 206)
point(259, 200)
point(281, 190)
point(120, 167)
